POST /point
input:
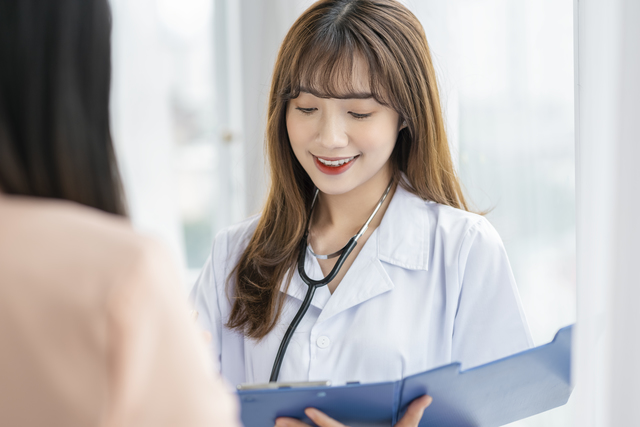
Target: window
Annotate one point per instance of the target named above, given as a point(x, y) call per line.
point(506, 78)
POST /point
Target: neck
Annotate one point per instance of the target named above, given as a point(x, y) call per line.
point(347, 213)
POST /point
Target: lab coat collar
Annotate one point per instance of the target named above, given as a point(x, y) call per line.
point(365, 280)
point(403, 234)
point(401, 239)
point(366, 268)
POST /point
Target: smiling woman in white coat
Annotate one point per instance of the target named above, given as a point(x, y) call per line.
point(354, 114)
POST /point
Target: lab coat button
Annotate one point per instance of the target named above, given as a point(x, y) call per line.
point(323, 342)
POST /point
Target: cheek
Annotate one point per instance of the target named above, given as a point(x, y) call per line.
point(378, 140)
point(298, 134)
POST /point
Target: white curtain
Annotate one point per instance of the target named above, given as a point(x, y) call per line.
point(607, 348)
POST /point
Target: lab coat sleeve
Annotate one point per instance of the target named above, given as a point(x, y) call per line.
point(204, 298)
point(212, 297)
point(490, 323)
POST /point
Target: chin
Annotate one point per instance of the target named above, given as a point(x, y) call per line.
point(334, 186)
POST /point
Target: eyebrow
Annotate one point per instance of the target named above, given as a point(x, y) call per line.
point(349, 95)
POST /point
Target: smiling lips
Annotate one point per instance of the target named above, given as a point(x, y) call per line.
point(334, 165)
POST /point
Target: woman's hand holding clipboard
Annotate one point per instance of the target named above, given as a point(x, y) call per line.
point(410, 419)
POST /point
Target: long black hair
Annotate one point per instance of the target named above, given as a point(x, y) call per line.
point(55, 74)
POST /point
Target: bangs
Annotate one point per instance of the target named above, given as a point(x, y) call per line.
point(326, 68)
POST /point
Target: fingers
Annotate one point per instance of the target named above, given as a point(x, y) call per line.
point(410, 419)
point(289, 422)
point(322, 419)
point(414, 412)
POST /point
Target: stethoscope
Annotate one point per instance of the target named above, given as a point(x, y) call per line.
point(312, 285)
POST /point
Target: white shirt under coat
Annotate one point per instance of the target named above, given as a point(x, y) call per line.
point(432, 285)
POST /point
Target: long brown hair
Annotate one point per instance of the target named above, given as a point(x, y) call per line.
point(317, 54)
point(55, 77)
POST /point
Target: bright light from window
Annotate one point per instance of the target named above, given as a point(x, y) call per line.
point(185, 18)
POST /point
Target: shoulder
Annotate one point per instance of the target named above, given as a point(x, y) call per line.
point(230, 243)
point(415, 232)
point(462, 232)
point(461, 236)
point(448, 216)
point(450, 221)
point(443, 222)
point(228, 246)
point(238, 235)
point(72, 239)
point(448, 230)
point(235, 238)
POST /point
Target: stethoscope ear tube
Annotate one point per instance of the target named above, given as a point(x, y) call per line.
point(312, 285)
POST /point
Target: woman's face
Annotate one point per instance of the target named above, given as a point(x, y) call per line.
point(343, 143)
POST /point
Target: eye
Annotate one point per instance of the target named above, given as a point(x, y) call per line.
point(359, 116)
point(306, 111)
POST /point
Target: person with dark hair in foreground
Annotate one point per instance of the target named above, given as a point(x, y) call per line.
point(93, 329)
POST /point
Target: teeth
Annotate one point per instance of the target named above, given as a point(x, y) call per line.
point(336, 162)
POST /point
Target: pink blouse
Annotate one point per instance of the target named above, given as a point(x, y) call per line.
point(93, 327)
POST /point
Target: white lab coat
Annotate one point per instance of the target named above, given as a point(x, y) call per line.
point(432, 285)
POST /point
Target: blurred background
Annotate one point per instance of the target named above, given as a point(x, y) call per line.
point(190, 83)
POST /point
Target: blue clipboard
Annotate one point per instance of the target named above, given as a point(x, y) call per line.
point(494, 394)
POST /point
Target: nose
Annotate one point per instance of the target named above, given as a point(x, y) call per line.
point(332, 132)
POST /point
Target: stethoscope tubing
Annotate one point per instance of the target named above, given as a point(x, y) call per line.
point(312, 284)
point(275, 371)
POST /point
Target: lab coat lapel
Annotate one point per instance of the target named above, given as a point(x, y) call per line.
point(403, 238)
point(365, 279)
